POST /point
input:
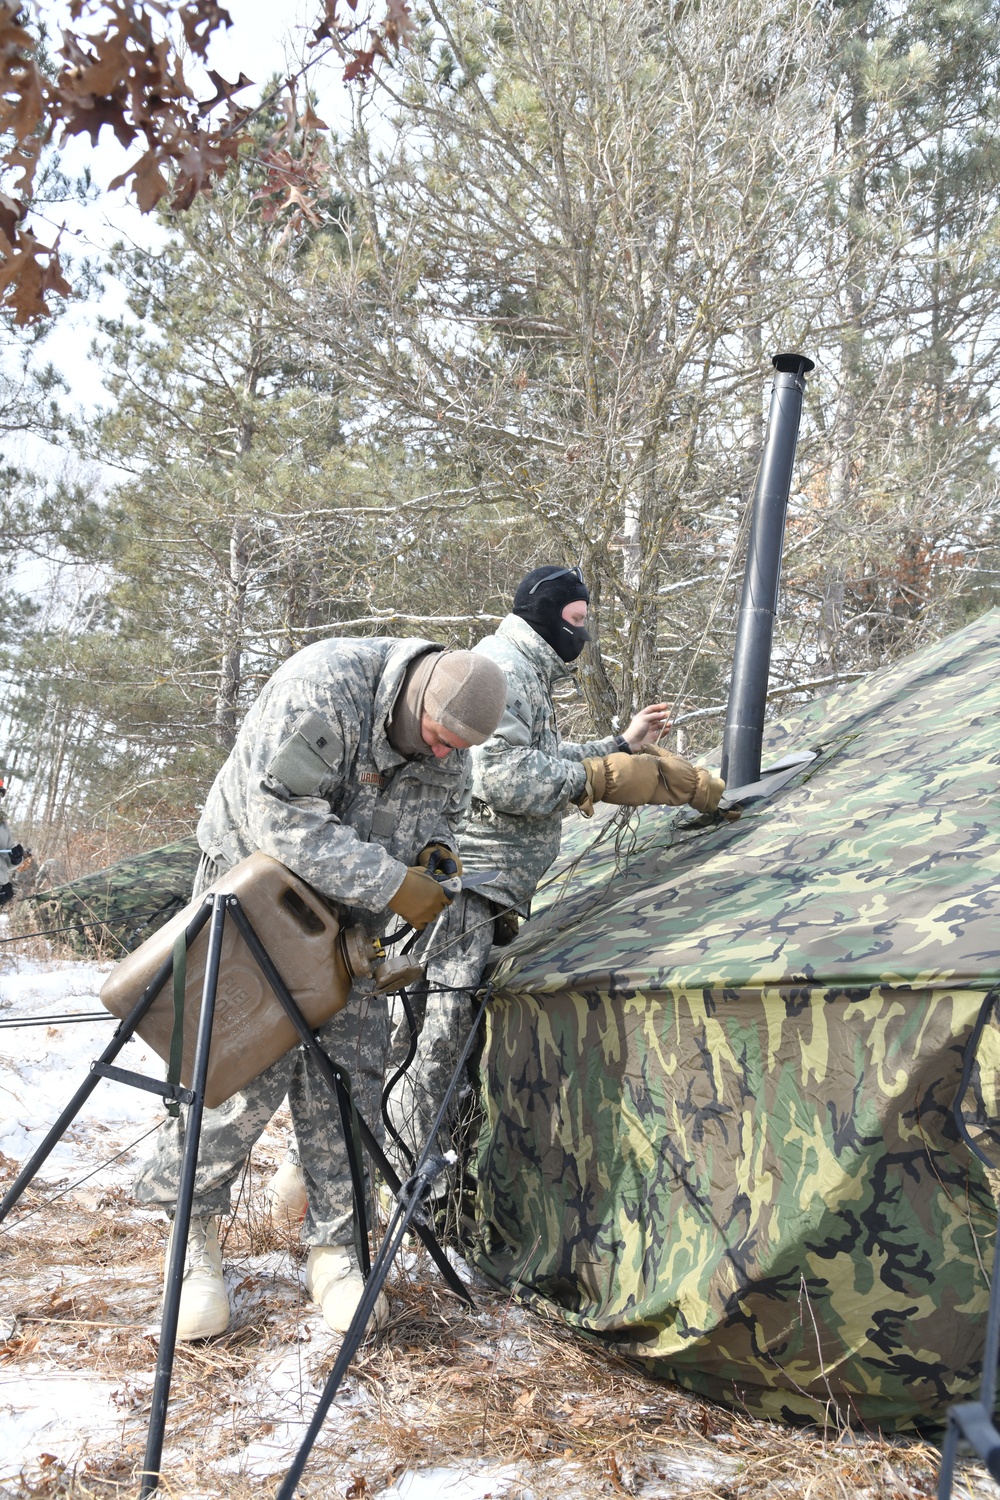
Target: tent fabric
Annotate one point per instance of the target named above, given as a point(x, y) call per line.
point(121, 906)
point(721, 1061)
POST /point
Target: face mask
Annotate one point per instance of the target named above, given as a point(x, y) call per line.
point(571, 640)
point(540, 600)
point(566, 640)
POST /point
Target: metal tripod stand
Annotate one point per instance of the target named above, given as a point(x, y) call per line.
point(217, 908)
point(972, 1422)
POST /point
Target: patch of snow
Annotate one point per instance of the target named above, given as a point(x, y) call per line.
point(41, 1068)
point(48, 1412)
point(502, 1483)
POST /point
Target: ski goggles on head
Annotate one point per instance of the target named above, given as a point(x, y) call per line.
point(559, 573)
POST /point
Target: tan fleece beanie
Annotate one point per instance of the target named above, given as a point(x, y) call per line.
point(466, 694)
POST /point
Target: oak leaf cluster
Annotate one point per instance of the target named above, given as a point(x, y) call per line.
point(121, 64)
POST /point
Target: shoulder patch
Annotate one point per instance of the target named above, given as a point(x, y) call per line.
point(513, 728)
point(308, 757)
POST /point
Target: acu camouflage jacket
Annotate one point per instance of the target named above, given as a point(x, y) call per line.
point(6, 866)
point(313, 781)
point(526, 775)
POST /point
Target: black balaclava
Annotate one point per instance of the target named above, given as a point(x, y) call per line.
point(540, 600)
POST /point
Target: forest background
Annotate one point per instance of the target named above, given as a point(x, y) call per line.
point(517, 307)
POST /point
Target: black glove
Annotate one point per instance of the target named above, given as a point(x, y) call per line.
point(16, 855)
point(440, 861)
point(6, 893)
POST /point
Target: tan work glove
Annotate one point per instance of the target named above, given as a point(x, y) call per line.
point(444, 854)
point(652, 777)
point(419, 899)
point(626, 780)
point(681, 782)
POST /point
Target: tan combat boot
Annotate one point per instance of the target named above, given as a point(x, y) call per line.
point(204, 1308)
point(286, 1195)
point(336, 1285)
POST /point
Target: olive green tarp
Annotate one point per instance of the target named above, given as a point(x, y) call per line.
point(119, 907)
point(721, 1061)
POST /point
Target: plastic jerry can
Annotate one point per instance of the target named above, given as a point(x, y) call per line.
point(303, 939)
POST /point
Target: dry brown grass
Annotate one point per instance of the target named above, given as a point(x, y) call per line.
point(441, 1386)
point(24, 937)
point(76, 852)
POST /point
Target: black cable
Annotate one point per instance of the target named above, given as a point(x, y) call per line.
point(411, 1050)
point(70, 927)
point(90, 1015)
point(47, 1203)
point(400, 1072)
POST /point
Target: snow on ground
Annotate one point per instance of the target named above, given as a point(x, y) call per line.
point(53, 1410)
point(446, 1405)
point(42, 1066)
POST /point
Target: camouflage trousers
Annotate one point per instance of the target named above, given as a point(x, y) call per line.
point(357, 1039)
point(455, 952)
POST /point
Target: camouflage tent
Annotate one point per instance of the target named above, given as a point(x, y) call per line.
point(721, 1062)
point(121, 906)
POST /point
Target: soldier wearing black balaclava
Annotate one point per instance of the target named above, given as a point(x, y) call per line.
point(525, 777)
point(541, 599)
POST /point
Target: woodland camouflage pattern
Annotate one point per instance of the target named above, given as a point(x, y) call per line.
point(525, 775)
point(721, 1063)
point(122, 906)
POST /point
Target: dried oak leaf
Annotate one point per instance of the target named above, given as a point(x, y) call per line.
point(11, 214)
point(312, 121)
point(87, 119)
point(207, 158)
point(24, 114)
point(398, 24)
point(330, 26)
point(149, 182)
point(96, 66)
point(303, 206)
point(223, 90)
point(362, 64)
point(199, 19)
point(25, 280)
point(24, 155)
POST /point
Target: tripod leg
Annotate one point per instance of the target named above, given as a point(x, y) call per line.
point(949, 1453)
point(182, 1212)
point(122, 1035)
point(329, 1072)
point(50, 1142)
point(352, 1338)
point(429, 1238)
point(419, 1186)
point(349, 1122)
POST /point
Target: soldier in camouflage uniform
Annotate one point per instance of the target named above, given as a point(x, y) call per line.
point(525, 777)
point(350, 769)
point(11, 855)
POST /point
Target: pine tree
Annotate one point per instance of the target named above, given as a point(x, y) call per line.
point(912, 333)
